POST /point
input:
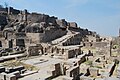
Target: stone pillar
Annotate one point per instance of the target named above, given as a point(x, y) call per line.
point(77, 52)
point(110, 48)
point(10, 43)
point(6, 35)
point(9, 10)
point(57, 51)
point(0, 43)
point(45, 50)
point(25, 15)
point(20, 17)
point(62, 51)
point(52, 50)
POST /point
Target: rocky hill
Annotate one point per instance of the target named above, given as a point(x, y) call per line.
point(41, 27)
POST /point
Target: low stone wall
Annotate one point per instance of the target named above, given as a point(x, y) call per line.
point(96, 44)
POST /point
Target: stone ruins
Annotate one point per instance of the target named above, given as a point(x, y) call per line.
point(36, 46)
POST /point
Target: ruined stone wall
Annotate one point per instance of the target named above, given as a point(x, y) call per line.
point(100, 44)
point(4, 43)
point(62, 23)
point(33, 50)
point(70, 54)
point(96, 44)
point(53, 34)
point(73, 24)
point(34, 37)
point(13, 11)
point(14, 17)
point(73, 72)
point(75, 40)
point(92, 39)
point(46, 36)
point(83, 32)
point(35, 17)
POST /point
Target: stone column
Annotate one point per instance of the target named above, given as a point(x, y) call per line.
point(62, 51)
point(110, 48)
point(10, 43)
point(25, 15)
point(9, 10)
point(0, 43)
point(57, 51)
point(20, 16)
point(45, 50)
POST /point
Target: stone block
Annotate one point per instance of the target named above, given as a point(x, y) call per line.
point(23, 71)
point(55, 70)
point(73, 24)
point(62, 23)
point(52, 73)
point(118, 71)
point(73, 72)
point(2, 69)
point(86, 78)
point(93, 71)
point(90, 58)
point(19, 68)
point(98, 65)
point(105, 74)
point(2, 76)
point(10, 77)
point(16, 73)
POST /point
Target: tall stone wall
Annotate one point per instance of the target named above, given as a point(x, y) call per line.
point(35, 17)
point(34, 37)
point(74, 40)
point(53, 34)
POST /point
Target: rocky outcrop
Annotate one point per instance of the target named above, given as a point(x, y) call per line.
point(45, 27)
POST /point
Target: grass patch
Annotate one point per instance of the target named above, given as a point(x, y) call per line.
point(98, 67)
point(88, 63)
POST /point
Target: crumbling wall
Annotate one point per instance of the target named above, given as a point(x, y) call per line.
point(53, 34)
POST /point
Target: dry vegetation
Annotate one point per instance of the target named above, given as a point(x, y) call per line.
point(14, 63)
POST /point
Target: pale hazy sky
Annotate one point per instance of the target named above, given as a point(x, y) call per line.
point(102, 16)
